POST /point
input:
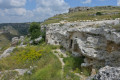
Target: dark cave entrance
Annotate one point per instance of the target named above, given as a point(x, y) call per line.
point(71, 43)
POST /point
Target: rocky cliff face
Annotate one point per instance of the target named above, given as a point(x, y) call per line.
point(98, 41)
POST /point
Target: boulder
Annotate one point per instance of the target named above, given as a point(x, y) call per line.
point(15, 41)
point(108, 73)
point(7, 52)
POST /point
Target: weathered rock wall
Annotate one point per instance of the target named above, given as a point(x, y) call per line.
point(97, 41)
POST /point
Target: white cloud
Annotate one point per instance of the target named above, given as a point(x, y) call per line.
point(87, 2)
point(48, 8)
point(12, 3)
point(14, 11)
point(18, 3)
point(0, 1)
point(118, 2)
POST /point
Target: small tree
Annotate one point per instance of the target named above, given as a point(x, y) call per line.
point(35, 30)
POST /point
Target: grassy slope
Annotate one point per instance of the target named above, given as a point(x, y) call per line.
point(48, 66)
point(15, 29)
point(4, 42)
point(83, 15)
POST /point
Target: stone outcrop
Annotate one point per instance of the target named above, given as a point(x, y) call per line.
point(107, 73)
point(78, 9)
point(16, 40)
point(97, 41)
point(36, 41)
point(7, 52)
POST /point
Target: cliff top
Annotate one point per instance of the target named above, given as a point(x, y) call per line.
point(94, 13)
point(77, 9)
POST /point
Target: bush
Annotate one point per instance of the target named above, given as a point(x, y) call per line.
point(34, 30)
point(29, 54)
point(98, 13)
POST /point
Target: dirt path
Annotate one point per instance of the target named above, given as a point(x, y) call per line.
point(58, 54)
point(60, 58)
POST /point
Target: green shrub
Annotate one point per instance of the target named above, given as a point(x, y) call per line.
point(55, 51)
point(48, 67)
point(99, 13)
point(29, 54)
point(74, 62)
point(34, 30)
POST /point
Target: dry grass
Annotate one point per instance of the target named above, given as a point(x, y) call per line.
point(84, 15)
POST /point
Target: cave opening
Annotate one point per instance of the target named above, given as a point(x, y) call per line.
point(71, 43)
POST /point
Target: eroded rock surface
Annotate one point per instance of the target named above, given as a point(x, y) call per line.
point(97, 41)
point(108, 73)
point(7, 52)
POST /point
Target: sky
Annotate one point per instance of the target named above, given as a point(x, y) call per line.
point(17, 11)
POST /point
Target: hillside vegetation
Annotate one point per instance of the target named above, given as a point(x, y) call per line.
point(10, 30)
point(19, 28)
point(85, 15)
point(47, 65)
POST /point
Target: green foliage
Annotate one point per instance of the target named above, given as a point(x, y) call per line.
point(74, 64)
point(48, 65)
point(9, 75)
point(99, 13)
point(55, 51)
point(48, 73)
point(28, 54)
point(43, 34)
point(16, 28)
point(61, 55)
point(61, 47)
point(34, 30)
point(86, 71)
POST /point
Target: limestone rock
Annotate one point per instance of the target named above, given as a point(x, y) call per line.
point(7, 52)
point(97, 41)
point(16, 40)
point(76, 9)
point(38, 39)
point(108, 73)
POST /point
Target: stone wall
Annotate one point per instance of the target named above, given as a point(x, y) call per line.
point(97, 41)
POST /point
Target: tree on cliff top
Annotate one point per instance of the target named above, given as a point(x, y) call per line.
point(35, 30)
